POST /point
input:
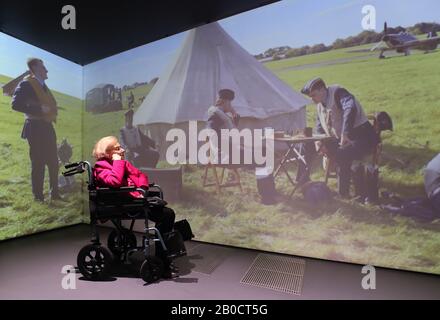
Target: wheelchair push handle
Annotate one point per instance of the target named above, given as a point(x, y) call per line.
point(71, 165)
point(76, 167)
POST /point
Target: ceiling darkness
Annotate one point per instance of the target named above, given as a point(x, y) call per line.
point(105, 28)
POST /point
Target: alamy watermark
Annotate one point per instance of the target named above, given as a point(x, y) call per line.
point(369, 280)
point(246, 146)
point(369, 17)
point(68, 282)
point(69, 20)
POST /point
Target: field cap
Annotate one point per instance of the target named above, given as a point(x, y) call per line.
point(312, 84)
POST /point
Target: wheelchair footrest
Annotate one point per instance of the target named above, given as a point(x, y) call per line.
point(175, 245)
point(175, 255)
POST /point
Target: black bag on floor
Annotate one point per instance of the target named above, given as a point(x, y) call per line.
point(184, 229)
point(316, 193)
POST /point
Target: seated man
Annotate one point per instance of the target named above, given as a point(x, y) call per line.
point(432, 182)
point(251, 153)
point(218, 119)
point(339, 114)
point(140, 147)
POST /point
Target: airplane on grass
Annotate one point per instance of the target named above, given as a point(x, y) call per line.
point(403, 42)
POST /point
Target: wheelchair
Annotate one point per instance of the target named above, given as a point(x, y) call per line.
point(109, 204)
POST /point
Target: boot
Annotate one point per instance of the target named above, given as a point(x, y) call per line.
point(372, 184)
point(358, 178)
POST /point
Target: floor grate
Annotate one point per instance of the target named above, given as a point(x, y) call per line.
point(276, 272)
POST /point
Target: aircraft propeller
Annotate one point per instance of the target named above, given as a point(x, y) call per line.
point(381, 42)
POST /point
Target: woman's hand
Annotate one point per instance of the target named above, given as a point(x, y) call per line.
point(118, 153)
point(116, 156)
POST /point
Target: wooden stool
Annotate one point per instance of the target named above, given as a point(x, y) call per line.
point(329, 167)
point(218, 179)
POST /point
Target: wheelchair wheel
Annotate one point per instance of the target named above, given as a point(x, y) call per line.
point(94, 262)
point(151, 269)
point(118, 246)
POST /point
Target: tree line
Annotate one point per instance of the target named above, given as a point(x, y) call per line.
point(365, 37)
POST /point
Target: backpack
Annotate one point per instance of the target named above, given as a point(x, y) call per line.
point(316, 193)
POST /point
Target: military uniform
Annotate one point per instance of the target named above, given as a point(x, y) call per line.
point(341, 113)
point(29, 97)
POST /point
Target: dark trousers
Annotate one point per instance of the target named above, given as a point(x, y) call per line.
point(364, 139)
point(164, 218)
point(42, 152)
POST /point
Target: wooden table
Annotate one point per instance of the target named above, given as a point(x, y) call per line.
point(292, 154)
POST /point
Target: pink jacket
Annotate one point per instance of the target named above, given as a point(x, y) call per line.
point(119, 173)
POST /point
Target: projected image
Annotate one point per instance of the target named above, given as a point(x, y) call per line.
point(340, 123)
point(40, 131)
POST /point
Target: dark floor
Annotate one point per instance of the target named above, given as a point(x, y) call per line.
point(31, 269)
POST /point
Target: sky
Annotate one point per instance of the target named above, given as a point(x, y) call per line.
point(290, 22)
point(63, 76)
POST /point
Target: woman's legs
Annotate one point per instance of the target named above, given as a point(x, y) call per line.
point(164, 218)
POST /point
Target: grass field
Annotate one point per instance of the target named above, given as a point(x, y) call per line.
point(19, 214)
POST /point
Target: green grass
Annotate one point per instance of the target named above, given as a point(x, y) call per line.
point(319, 57)
point(19, 214)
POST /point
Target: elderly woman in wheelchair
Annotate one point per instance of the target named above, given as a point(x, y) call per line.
point(119, 191)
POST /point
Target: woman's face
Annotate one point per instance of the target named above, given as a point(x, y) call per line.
point(117, 149)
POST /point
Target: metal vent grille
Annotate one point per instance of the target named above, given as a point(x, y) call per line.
point(207, 258)
point(276, 272)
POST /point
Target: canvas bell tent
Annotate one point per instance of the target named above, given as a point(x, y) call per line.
point(209, 60)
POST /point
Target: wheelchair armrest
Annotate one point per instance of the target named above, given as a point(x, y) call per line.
point(153, 185)
point(120, 190)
